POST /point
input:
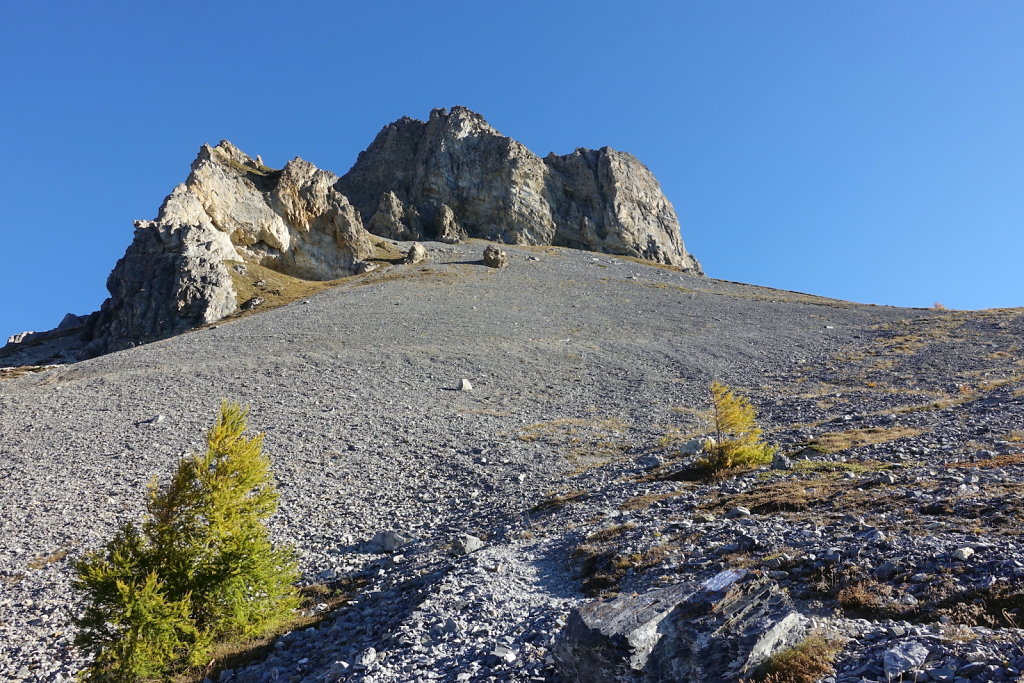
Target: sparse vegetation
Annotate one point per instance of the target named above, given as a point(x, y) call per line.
point(643, 502)
point(833, 442)
point(738, 442)
point(47, 560)
point(584, 441)
point(199, 569)
point(559, 501)
point(602, 564)
point(808, 661)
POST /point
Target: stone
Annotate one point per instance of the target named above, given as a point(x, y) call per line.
point(781, 462)
point(252, 303)
point(696, 446)
point(601, 200)
point(501, 654)
point(885, 571)
point(871, 535)
point(495, 257)
point(417, 254)
point(448, 229)
point(393, 220)
point(652, 460)
point(963, 554)
point(737, 512)
point(364, 267)
point(465, 385)
point(367, 658)
point(904, 657)
point(714, 632)
point(466, 544)
point(390, 541)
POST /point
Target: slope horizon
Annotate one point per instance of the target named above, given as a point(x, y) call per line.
point(862, 154)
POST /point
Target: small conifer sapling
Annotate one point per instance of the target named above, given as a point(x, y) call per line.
point(738, 438)
point(200, 568)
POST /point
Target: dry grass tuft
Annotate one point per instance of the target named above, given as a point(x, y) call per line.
point(863, 597)
point(645, 501)
point(587, 442)
point(22, 370)
point(995, 462)
point(809, 661)
point(276, 289)
point(46, 560)
point(557, 502)
point(833, 442)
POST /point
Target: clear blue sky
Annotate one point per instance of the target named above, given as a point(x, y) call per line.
point(871, 151)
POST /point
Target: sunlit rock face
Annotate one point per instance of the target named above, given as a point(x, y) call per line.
point(174, 275)
point(497, 189)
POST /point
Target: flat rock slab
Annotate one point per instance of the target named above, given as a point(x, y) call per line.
point(713, 632)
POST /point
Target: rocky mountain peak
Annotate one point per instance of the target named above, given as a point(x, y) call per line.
point(449, 178)
point(461, 121)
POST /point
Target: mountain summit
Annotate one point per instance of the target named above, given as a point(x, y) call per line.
point(450, 178)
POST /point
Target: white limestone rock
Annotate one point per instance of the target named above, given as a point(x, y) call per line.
point(174, 276)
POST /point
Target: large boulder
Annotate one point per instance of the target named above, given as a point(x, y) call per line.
point(716, 632)
point(448, 229)
point(495, 257)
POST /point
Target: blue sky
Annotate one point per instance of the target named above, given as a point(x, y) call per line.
point(870, 151)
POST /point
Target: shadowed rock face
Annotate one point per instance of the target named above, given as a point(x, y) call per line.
point(497, 189)
point(448, 178)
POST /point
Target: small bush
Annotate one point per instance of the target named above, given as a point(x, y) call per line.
point(200, 568)
point(863, 597)
point(808, 661)
point(737, 437)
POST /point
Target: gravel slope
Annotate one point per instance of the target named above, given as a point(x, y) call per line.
point(573, 357)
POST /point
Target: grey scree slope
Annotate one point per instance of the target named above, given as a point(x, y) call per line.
point(355, 389)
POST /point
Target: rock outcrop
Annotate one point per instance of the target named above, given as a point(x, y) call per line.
point(497, 189)
point(717, 632)
point(448, 179)
point(393, 221)
point(174, 276)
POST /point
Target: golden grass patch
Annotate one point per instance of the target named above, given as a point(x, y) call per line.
point(833, 442)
